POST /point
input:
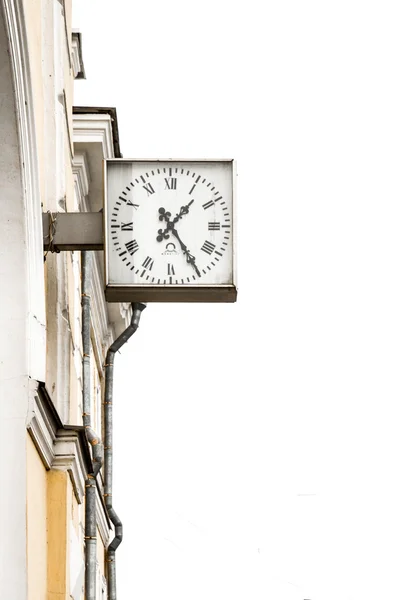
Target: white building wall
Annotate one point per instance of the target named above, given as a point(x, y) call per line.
point(58, 159)
point(22, 330)
point(35, 176)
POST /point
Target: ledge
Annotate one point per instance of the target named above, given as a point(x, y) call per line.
point(65, 448)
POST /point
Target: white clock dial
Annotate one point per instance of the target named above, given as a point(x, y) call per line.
point(170, 223)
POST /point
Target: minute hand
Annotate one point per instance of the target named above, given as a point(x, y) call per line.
point(189, 257)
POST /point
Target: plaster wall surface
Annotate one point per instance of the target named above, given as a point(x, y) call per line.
point(14, 383)
point(22, 301)
point(33, 18)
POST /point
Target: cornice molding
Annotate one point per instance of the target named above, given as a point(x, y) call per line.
point(63, 448)
point(41, 430)
point(76, 56)
point(68, 457)
point(89, 128)
point(81, 173)
point(94, 113)
point(59, 448)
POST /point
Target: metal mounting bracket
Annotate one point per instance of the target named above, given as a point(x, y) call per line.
point(73, 231)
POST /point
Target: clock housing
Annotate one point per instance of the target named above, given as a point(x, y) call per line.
point(169, 230)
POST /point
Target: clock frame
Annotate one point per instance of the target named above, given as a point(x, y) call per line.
point(169, 230)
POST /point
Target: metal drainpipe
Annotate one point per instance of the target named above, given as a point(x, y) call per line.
point(91, 436)
point(137, 308)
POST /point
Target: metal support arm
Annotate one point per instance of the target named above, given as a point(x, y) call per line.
point(73, 231)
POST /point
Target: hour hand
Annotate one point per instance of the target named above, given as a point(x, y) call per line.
point(162, 235)
point(163, 215)
point(184, 211)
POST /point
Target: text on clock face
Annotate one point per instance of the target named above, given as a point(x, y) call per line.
point(171, 225)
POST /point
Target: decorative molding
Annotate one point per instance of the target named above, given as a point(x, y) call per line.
point(59, 333)
point(109, 112)
point(19, 55)
point(76, 56)
point(94, 128)
point(68, 457)
point(63, 101)
point(120, 315)
point(58, 448)
point(103, 522)
point(64, 448)
point(42, 430)
point(102, 337)
point(80, 170)
point(64, 15)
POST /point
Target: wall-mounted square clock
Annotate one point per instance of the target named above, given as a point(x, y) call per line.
point(169, 230)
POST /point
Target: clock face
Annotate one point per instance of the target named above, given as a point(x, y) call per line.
point(169, 223)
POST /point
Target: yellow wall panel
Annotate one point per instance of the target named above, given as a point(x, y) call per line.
point(36, 524)
point(57, 527)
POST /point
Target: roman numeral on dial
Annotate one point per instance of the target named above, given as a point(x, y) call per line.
point(148, 263)
point(126, 226)
point(132, 246)
point(170, 183)
point(208, 247)
point(149, 189)
point(129, 203)
point(208, 204)
point(214, 226)
point(171, 270)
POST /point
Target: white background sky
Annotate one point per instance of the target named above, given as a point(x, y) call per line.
point(257, 444)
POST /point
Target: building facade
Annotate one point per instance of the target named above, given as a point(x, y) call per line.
point(52, 385)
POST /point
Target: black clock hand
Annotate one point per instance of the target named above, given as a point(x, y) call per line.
point(163, 234)
point(184, 211)
point(189, 257)
point(165, 216)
